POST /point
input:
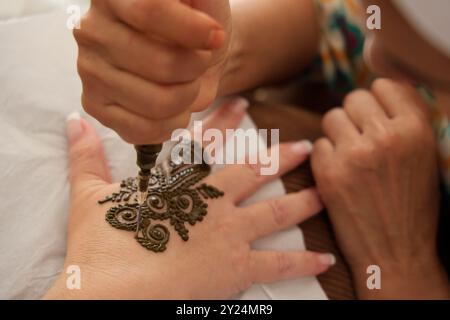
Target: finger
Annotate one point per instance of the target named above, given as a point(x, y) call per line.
point(363, 109)
point(151, 60)
point(323, 153)
point(272, 266)
point(87, 162)
point(273, 215)
point(144, 98)
point(171, 20)
point(338, 127)
point(227, 116)
point(131, 127)
point(239, 181)
point(210, 132)
point(399, 98)
point(324, 166)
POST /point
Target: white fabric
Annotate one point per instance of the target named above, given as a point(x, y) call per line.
point(430, 19)
point(19, 8)
point(39, 87)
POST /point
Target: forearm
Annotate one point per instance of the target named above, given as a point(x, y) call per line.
point(270, 42)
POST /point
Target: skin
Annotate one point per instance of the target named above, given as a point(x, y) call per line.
point(377, 170)
point(114, 266)
point(180, 55)
point(376, 167)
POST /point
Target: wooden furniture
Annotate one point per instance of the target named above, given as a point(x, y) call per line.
point(296, 124)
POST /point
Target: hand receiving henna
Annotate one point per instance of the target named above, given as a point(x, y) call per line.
point(216, 262)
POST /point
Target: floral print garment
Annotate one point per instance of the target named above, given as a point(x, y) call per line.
point(342, 25)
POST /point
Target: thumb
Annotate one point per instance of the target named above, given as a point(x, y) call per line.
point(87, 162)
point(218, 9)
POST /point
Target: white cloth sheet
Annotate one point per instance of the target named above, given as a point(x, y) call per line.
point(39, 87)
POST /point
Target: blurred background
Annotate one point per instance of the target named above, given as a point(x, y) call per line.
point(10, 9)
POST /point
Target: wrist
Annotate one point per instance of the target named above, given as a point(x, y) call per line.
point(64, 287)
point(413, 279)
point(115, 282)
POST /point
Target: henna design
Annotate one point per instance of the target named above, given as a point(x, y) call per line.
point(172, 196)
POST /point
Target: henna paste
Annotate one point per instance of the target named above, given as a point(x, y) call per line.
point(172, 196)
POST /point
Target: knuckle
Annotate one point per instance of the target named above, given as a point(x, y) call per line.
point(253, 171)
point(89, 32)
point(279, 212)
point(77, 33)
point(226, 226)
point(146, 10)
point(417, 126)
point(86, 69)
point(132, 40)
point(312, 201)
point(126, 136)
point(376, 125)
point(83, 69)
point(319, 145)
point(240, 259)
point(155, 8)
point(168, 64)
point(196, 66)
point(141, 133)
point(189, 93)
point(381, 84)
point(328, 178)
point(191, 64)
point(418, 131)
point(330, 116)
point(366, 157)
point(318, 158)
point(80, 34)
point(284, 263)
point(361, 153)
point(84, 150)
point(168, 104)
point(385, 140)
point(354, 98)
point(178, 67)
point(180, 121)
point(176, 99)
point(131, 135)
point(88, 104)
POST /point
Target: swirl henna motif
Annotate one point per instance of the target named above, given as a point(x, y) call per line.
point(173, 196)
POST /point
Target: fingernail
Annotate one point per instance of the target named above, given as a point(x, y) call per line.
point(215, 40)
point(302, 147)
point(327, 259)
point(239, 105)
point(73, 126)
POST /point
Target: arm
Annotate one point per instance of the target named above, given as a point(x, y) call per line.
point(269, 42)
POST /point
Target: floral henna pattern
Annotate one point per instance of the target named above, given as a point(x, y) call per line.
point(173, 196)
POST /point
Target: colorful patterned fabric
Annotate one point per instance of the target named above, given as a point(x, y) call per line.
point(342, 24)
point(342, 45)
